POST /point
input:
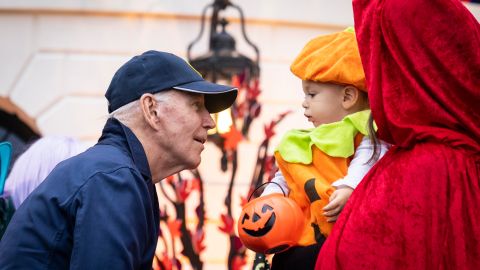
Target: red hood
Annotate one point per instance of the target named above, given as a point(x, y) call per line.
point(423, 74)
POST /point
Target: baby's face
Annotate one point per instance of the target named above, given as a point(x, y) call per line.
point(323, 102)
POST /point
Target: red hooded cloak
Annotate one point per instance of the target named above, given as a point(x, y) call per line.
point(419, 207)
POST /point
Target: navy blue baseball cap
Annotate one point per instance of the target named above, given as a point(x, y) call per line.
point(154, 71)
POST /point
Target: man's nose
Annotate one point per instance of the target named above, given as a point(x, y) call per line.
point(208, 122)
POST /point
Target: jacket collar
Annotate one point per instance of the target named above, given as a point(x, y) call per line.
point(117, 134)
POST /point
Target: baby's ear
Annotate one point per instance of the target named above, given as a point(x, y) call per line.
point(351, 96)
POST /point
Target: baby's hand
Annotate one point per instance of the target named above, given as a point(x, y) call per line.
point(337, 202)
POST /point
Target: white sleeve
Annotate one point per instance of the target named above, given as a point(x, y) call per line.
point(359, 166)
point(273, 188)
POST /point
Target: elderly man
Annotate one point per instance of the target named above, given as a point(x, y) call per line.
point(99, 210)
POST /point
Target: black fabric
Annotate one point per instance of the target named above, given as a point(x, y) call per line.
point(6, 212)
point(299, 257)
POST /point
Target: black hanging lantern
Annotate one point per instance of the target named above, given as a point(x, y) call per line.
point(222, 61)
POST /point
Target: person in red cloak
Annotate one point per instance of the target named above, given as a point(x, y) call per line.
point(419, 207)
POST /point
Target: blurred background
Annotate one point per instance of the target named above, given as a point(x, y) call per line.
point(58, 57)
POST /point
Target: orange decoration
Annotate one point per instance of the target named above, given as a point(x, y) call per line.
point(232, 138)
point(243, 201)
point(236, 81)
point(174, 227)
point(170, 179)
point(270, 224)
point(195, 184)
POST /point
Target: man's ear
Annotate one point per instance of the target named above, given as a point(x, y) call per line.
point(150, 110)
point(351, 97)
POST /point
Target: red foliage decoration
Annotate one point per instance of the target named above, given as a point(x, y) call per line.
point(192, 243)
point(243, 200)
point(227, 224)
point(195, 184)
point(239, 262)
point(197, 239)
point(232, 139)
point(183, 190)
point(174, 227)
point(253, 90)
point(162, 262)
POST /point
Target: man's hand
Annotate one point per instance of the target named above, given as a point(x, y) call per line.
point(337, 202)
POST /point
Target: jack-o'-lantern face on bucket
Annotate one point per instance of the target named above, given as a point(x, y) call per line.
point(270, 224)
point(260, 224)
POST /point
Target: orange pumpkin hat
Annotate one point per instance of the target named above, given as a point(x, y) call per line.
point(331, 58)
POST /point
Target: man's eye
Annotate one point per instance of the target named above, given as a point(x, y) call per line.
point(197, 105)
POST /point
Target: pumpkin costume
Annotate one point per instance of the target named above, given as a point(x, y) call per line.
point(311, 160)
point(418, 208)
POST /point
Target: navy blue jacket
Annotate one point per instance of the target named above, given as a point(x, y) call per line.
point(97, 210)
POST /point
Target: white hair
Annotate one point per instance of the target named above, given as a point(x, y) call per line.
point(128, 112)
point(124, 113)
point(34, 165)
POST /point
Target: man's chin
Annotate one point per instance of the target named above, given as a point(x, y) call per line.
point(194, 164)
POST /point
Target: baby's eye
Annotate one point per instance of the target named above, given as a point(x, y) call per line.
point(310, 95)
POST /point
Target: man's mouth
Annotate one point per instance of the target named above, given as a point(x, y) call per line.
point(201, 140)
